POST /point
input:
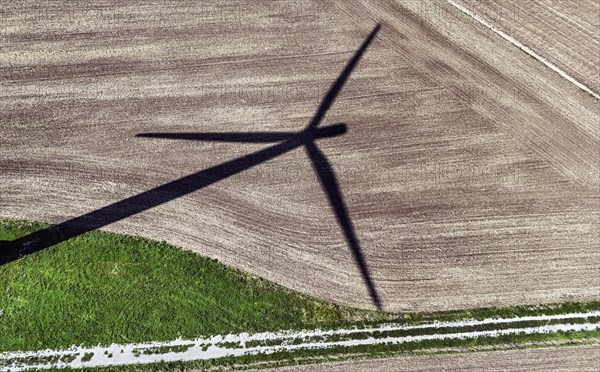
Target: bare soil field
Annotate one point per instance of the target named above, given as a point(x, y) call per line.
point(566, 32)
point(551, 359)
point(470, 171)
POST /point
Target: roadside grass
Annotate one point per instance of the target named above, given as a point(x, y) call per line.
point(102, 288)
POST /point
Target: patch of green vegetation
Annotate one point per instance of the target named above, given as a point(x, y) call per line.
point(102, 288)
point(322, 313)
point(36, 359)
point(230, 345)
point(163, 349)
point(87, 357)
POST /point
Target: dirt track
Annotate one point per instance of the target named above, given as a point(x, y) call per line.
point(565, 32)
point(552, 359)
point(470, 171)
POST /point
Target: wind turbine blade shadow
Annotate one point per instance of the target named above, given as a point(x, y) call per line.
point(94, 220)
point(331, 187)
point(337, 86)
point(251, 137)
point(244, 137)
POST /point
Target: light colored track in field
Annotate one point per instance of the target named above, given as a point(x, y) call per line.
point(235, 344)
point(524, 48)
point(566, 33)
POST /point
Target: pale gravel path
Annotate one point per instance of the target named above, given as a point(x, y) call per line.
point(214, 347)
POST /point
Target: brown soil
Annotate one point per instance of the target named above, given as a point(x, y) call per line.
point(551, 359)
point(564, 32)
point(470, 170)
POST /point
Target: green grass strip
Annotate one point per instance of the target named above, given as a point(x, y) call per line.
point(103, 288)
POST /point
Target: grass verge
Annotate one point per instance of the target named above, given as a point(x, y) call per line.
point(102, 288)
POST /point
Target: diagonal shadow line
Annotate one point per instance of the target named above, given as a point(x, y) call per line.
point(337, 86)
point(331, 187)
point(265, 137)
point(45, 238)
point(138, 203)
point(248, 137)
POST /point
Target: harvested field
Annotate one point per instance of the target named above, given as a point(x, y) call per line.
point(550, 359)
point(466, 186)
point(564, 32)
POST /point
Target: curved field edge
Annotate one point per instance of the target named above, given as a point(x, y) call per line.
point(102, 288)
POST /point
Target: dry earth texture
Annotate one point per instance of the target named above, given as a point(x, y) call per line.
point(552, 359)
point(565, 32)
point(469, 169)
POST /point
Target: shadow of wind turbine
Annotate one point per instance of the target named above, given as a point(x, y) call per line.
point(320, 164)
point(285, 141)
point(331, 188)
point(247, 137)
